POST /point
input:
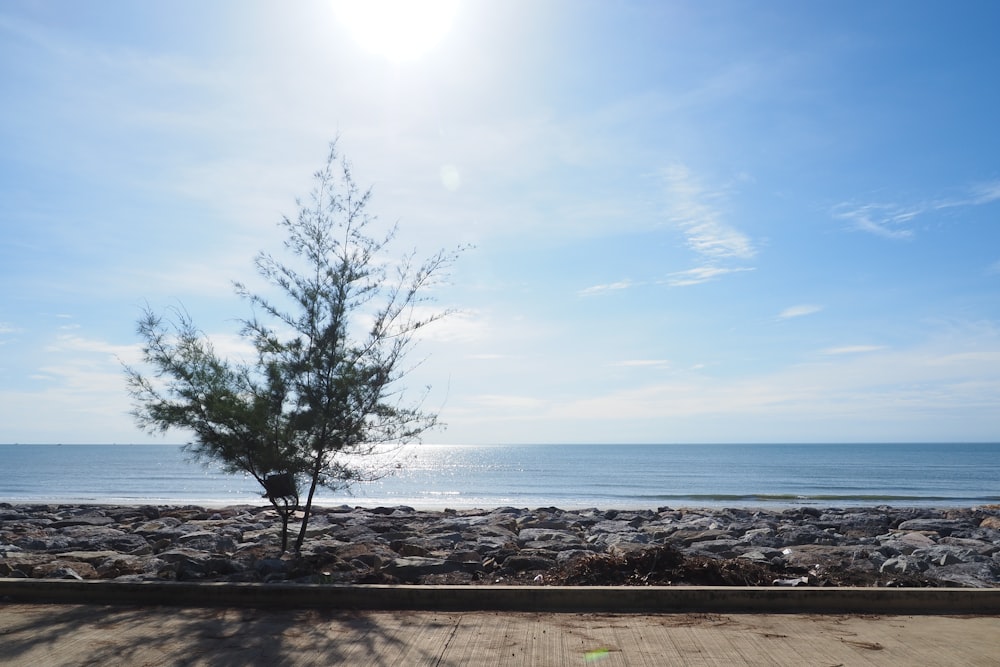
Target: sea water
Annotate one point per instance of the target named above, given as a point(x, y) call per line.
point(567, 476)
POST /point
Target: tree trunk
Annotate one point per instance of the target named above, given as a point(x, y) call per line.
point(284, 528)
point(313, 482)
point(285, 515)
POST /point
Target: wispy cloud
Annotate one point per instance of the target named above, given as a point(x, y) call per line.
point(885, 220)
point(896, 221)
point(642, 363)
point(913, 386)
point(853, 349)
point(799, 311)
point(694, 211)
point(690, 207)
point(608, 287)
point(700, 275)
point(984, 193)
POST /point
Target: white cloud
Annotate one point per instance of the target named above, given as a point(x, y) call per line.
point(895, 221)
point(984, 193)
point(883, 386)
point(883, 220)
point(465, 326)
point(609, 287)
point(690, 207)
point(505, 402)
point(853, 349)
point(799, 311)
point(73, 344)
point(700, 275)
point(642, 363)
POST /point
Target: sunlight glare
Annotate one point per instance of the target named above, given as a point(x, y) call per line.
point(397, 29)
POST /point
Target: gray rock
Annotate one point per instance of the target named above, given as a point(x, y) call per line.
point(548, 535)
point(525, 562)
point(942, 527)
point(906, 543)
point(207, 541)
point(88, 519)
point(761, 555)
point(985, 574)
point(725, 548)
point(979, 546)
point(414, 567)
point(688, 536)
point(944, 554)
point(904, 565)
point(91, 538)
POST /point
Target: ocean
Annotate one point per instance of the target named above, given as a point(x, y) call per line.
point(532, 476)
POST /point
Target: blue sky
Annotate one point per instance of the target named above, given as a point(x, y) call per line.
point(693, 222)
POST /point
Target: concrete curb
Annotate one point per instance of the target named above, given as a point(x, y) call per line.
point(617, 599)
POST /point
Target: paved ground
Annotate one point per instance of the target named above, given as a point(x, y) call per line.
point(50, 635)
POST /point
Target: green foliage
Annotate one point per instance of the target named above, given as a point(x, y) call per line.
point(330, 341)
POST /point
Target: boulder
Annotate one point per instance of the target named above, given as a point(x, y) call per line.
point(722, 548)
point(526, 562)
point(88, 519)
point(90, 538)
point(984, 574)
point(990, 523)
point(688, 536)
point(548, 535)
point(65, 569)
point(942, 527)
point(904, 565)
point(414, 567)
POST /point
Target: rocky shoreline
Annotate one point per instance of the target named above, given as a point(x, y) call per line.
point(871, 546)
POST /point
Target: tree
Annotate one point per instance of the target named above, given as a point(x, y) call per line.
point(324, 389)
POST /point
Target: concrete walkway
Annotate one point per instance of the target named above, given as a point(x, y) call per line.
point(75, 634)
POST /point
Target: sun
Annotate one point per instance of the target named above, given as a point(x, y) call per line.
point(397, 29)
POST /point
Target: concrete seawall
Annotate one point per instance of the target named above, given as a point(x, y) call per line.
point(511, 598)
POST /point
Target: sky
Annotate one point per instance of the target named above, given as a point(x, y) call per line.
point(690, 222)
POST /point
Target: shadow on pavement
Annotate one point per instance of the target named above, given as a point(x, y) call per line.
point(109, 635)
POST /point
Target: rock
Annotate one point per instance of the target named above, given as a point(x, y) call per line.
point(92, 557)
point(90, 538)
point(409, 549)
point(548, 535)
point(725, 548)
point(207, 541)
point(944, 554)
point(524, 562)
point(907, 542)
point(268, 567)
point(943, 527)
point(688, 536)
point(803, 534)
point(761, 555)
point(62, 569)
point(984, 574)
point(83, 520)
point(414, 567)
point(876, 546)
point(980, 547)
point(903, 565)
point(22, 565)
point(990, 523)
